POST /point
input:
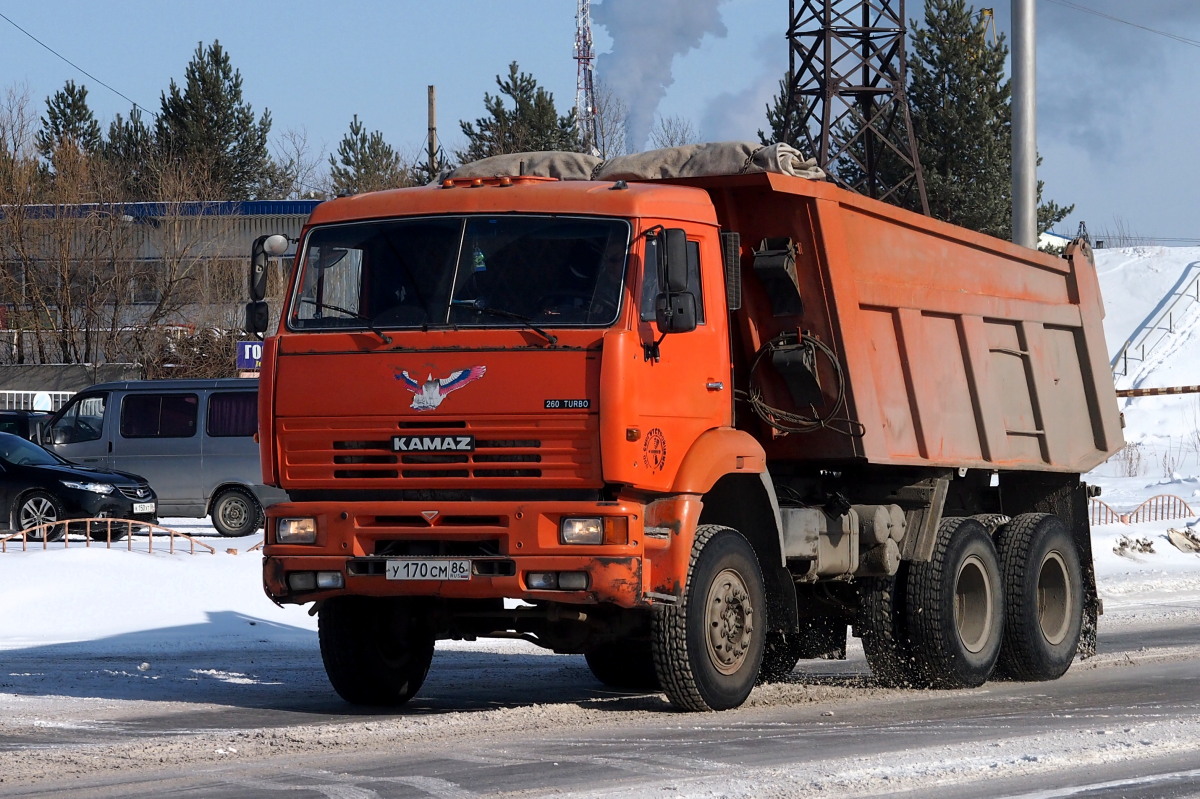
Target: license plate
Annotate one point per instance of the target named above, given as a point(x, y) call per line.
point(429, 569)
point(143, 507)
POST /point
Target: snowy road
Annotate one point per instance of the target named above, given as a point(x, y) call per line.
point(516, 722)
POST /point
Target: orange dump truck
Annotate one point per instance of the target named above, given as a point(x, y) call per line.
point(694, 428)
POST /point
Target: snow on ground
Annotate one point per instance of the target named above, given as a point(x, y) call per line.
point(1162, 432)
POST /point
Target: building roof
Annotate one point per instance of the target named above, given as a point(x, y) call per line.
point(158, 209)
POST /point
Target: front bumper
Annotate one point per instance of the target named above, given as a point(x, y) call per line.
point(505, 545)
point(86, 504)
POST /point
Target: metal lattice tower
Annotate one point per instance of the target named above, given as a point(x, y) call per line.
point(587, 116)
point(847, 96)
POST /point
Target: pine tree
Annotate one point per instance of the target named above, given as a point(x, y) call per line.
point(962, 117)
point(68, 120)
point(129, 152)
point(208, 126)
point(779, 127)
point(532, 124)
point(365, 162)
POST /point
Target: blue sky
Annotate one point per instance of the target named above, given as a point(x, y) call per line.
point(1117, 104)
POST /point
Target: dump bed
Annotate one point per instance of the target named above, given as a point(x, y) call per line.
point(952, 348)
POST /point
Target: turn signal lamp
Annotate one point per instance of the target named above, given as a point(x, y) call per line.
point(594, 530)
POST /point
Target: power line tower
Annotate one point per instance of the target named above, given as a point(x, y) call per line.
point(587, 116)
point(848, 74)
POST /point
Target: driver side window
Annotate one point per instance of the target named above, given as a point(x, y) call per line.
point(650, 279)
point(82, 421)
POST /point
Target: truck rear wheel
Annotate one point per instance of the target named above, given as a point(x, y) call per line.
point(882, 628)
point(1043, 597)
point(376, 651)
point(817, 638)
point(709, 646)
point(626, 665)
point(954, 608)
point(780, 656)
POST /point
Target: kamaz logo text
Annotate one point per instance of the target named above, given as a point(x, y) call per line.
point(433, 443)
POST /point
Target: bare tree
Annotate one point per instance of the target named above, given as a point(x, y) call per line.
point(186, 291)
point(96, 269)
point(613, 115)
point(673, 131)
point(296, 173)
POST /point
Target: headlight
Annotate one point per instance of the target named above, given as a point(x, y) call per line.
point(95, 488)
point(581, 531)
point(594, 530)
point(296, 531)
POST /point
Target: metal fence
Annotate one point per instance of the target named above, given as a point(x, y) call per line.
point(1157, 508)
point(1161, 325)
point(107, 533)
point(33, 400)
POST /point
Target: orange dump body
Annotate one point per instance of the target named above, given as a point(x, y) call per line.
point(449, 445)
point(957, 349)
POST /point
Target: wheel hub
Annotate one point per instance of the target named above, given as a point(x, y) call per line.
point(729, 621)
point(973, 604)
point(234, 514)
point(1055, 607)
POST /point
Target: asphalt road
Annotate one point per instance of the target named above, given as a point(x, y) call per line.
point(1125, 725)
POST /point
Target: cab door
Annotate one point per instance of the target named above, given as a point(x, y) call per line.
point(674, 387)
point(81, 431)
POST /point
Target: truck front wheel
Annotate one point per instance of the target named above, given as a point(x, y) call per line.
point(376, 651)
point(1043, 597)
point(709, 646)
point(954, 607)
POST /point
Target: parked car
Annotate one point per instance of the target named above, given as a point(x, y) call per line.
point(193, 439)
point(22, 423)
point(37, 487)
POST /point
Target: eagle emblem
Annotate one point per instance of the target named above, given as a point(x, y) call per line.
point(430, 393)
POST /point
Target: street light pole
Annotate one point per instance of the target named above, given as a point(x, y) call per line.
point(1024, 124)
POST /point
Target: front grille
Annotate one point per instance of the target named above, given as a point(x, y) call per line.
point(416, 548)
point(135, 492)
point(557, 452)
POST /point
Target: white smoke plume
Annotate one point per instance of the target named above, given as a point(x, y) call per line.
point(647, 36)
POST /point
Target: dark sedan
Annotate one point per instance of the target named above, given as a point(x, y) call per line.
point(22, 423)
point(37, 487)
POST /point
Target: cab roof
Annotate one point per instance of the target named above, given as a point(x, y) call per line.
point(530, 195)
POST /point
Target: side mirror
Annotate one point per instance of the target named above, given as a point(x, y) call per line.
point(675, 312)
point(258, 318)
point(262, 247)
point(673, 272)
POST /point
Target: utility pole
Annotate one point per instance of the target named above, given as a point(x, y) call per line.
point(434, 165)
point(1024, 124)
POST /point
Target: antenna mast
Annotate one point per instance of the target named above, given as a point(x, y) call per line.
point(587, 116)
point(847, 93)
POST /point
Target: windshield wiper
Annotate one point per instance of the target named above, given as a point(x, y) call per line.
point(352, 314)
point(479, 307)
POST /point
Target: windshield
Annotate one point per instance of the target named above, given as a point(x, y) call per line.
point(15, 449)
point(466, 271)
